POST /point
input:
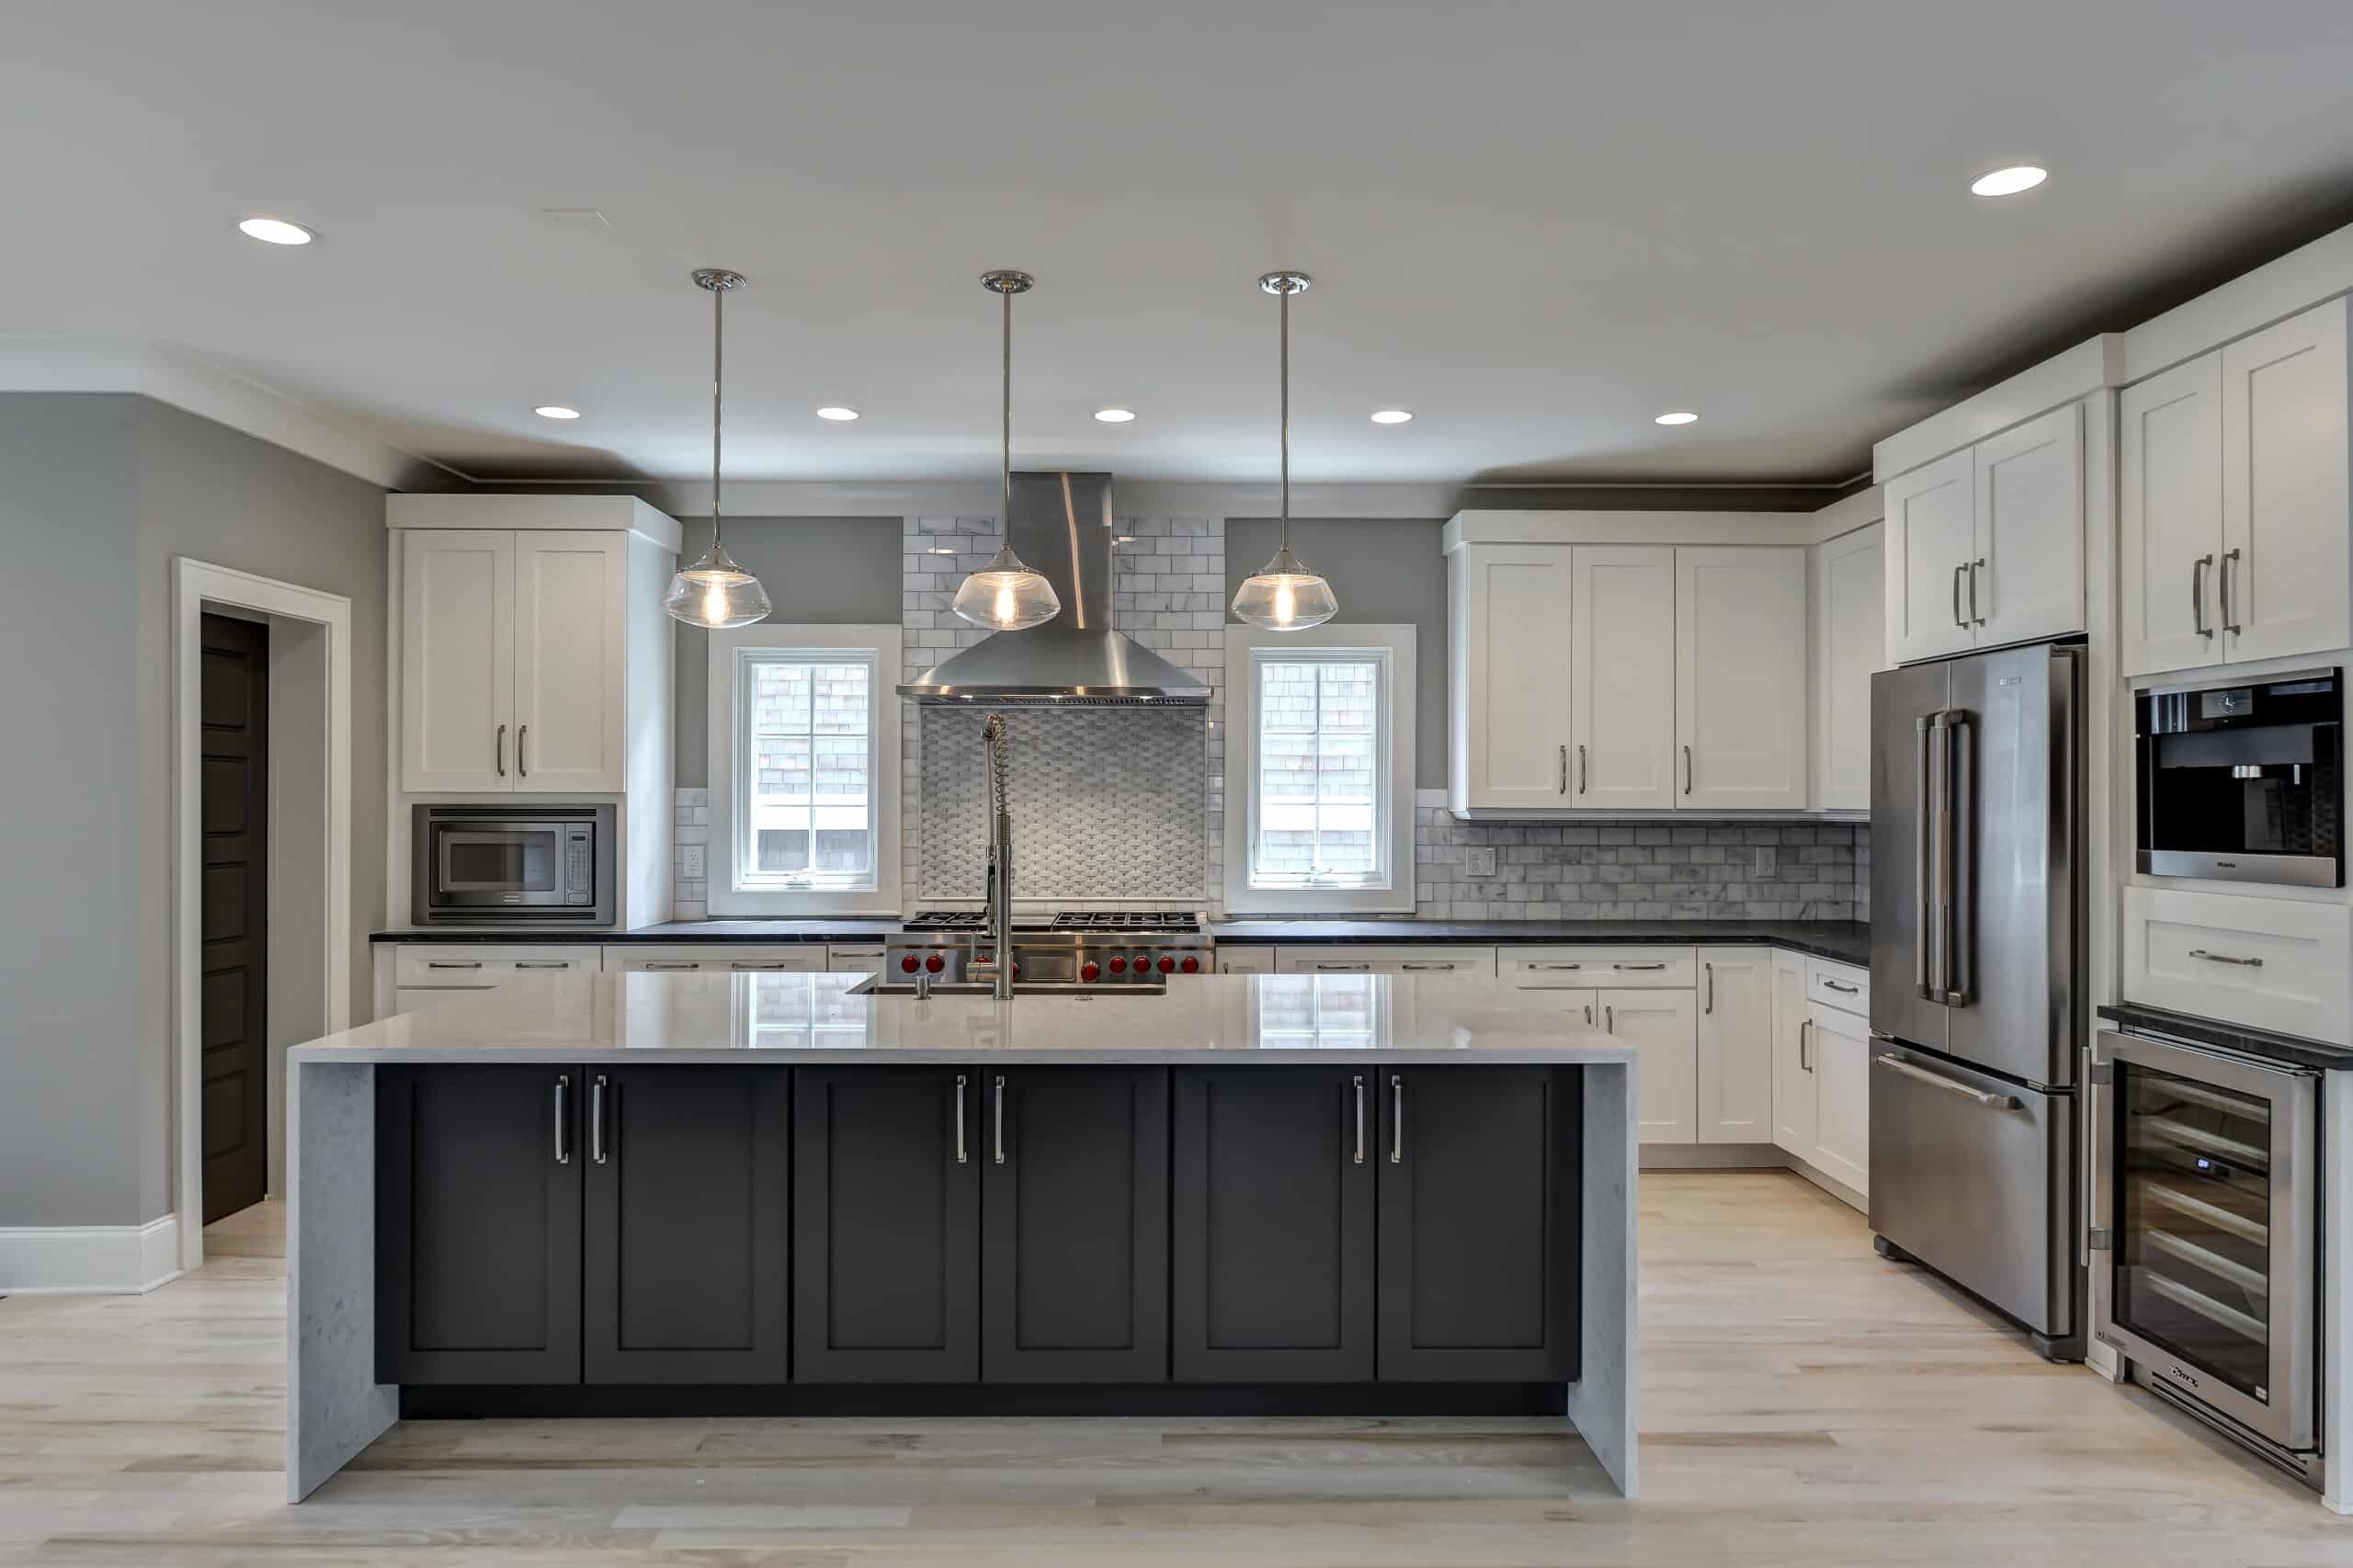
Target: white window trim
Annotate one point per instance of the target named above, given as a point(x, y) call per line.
point(722, 897)
point(1392, 648)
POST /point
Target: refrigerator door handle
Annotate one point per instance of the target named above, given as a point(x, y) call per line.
point(1921, 866)
point(1960, 914)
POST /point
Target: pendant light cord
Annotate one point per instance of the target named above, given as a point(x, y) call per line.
point(1284, 533)
point(718, 379)
point(1004, 470)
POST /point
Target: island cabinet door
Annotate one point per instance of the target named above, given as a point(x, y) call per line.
point(478, 1224)
point(1272, 1263)
point(886, 1185)
point(1479, 1269)
point(1075, 1226)
point(685, 1237)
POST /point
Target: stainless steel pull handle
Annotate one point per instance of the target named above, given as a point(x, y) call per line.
point(1922, 792)
point(499, 753)
point(1805, 1027)
point(1446, 968)
point(1359, 1093)
point(1609, 1017)
point(2197, 594)
point(542, 964)
point(746, 963)
point(1564, 769)
point(1975, 567)
point(1958, 619)
point(1710, 1005)
point(671, 963)
point(1636, 966)
point(2230, 623)
point(960, 1119)
point(1894, 1064)
point(522, 736)
point(1589, 1015)
point(597, 1120)
point(1842, 987)
point(2225, 958)
point(1396, 1120)
point(1554, 966)
point(453, 963)
point(1000, 1118)
point(562, 1119)
point(1686, 770)
point(1344, 968)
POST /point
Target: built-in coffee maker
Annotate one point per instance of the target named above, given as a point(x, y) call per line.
point(2241, 783)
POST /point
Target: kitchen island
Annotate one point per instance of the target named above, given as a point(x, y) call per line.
point(645, 1194)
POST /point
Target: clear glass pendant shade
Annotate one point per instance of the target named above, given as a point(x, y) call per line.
point(1284, 596)
point(715, 593)
point(1005, 595)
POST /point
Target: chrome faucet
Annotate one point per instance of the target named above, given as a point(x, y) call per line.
point(1000, 889)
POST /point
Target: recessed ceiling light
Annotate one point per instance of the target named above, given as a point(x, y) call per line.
point(276, 231)
point(1680, 416)
point(2009, 181)
point(1115, 415)
point(836, 412)
point(1391, 416)
point(556, 411)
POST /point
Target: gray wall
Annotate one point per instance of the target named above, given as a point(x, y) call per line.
point(1384, 569)
point(818, 571)
point(102, 490)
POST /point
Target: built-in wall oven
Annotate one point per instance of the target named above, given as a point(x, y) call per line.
point(2241, 782)
point(511, 864)
point(2205, 1240)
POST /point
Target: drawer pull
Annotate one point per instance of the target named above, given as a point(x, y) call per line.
point(1842, 987)
point(1634, 966)
point(746, 963)
point(1448, 967)
point(1343, 968)
point(2225, 958)
point(452, 963)
point(1548, 966)
point(542, 964)
point(671, 963)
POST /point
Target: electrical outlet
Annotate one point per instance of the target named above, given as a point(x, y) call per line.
point(1764, 863)
point(1480, 862)
point(690, 861)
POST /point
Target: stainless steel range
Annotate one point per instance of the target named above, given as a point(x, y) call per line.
point(1091, 949)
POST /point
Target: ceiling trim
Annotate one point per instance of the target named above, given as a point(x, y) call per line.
point(171, 375)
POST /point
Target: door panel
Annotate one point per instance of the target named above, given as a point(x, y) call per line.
point(2170, 495)
point(1735, 1055)
point(570, 610)
point(687, 1234)
point(886, 1225)
point(2029, 499)
point(1931, 539)
point(1794, 1073)
point(1478, 1225)
point(1075, 1226)
point(1663, 1026)
point(1623, 675)
point(1273, 1257)
point(457, 659)
point(1900, 700)
point(234, 993)
point(2285, 503)
point(1514, 604)
point(478, 1224)
point(1839, 1049)
point(1740, 677)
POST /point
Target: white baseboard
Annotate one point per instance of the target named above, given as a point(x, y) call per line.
point(89, 1260)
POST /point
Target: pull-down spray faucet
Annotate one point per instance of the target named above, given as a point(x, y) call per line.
point(1000, 888)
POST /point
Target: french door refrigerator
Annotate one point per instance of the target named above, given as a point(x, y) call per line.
point(1976, 953)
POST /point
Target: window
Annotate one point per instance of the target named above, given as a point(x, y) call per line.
point(1322, 732)
point(804, 770)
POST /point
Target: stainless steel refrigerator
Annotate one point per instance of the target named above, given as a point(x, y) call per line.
point(1977, 960)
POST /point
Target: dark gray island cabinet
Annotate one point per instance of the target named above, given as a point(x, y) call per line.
point(980, 1236)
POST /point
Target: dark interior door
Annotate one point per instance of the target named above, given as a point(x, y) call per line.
point(478, 1224)
point(234, 705)
point(1479, 1265)
point(886, 1181)
point(1074, 1235)
point(1273, 1257)
point(684, 1251)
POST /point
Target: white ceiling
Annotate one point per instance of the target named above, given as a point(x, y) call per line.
point(1535, 224)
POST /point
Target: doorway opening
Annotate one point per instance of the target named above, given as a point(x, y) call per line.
point(234, 988)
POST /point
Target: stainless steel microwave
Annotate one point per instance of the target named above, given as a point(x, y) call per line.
point(2244, 783)
point(502, 864)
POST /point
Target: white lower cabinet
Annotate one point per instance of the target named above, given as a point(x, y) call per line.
point(410, 976)
point(856, 958)
point(1343, 957)
point(1736, 1045)
point(1793, 1072)
point(1662, 1027)
point(1245, 960)
point(2270, 964)
point(1841, 1053)
point(717, 957)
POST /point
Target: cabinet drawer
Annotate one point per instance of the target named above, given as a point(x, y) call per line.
point(734, 958)
point(1245, 961)
point(466, 963)
point(1548, 967)
point(1387, 958)
point(2270, 964)
point(1838, 986)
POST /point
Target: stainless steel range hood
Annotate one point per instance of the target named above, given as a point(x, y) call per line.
point(1061, 526)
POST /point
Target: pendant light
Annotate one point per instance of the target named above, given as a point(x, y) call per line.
point(1285, 596)
point(714, 591)
point(1005, 595)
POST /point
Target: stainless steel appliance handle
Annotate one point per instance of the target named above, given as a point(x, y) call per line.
point(498, 756)
point(1000, 1118)
point(562, 1119)
point(522, 736)
point(1961, 893)
point(1396, 1120)
point(1564, 769)
point(1937, 1080)
point(1710, 1006)
point(597, 1120)
point(1804, 1026)
point(960, 1156)
point(1923, 792)
point(1957, 571)
point(1840, 986)
point(1686, 770)
point(2225, 958)
point(2096, 1189)
point(1581, 784)
point(1359, 1093)
point(2229, 624)
point(1975, 567)
point(2197, 594)
point(453, 963)
point(1940, 858)
point(1630, 967)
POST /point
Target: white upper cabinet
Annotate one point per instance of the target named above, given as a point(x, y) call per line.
point(2234, 506)
point(571, 616)
point(1511, 649)
point(1849, 647)
point(1740, 677)
point(457, 660)
point(1931, 539)
point(1623, 705)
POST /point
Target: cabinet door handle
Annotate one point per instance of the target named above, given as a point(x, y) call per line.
point(1842, 987)
point(562, 1121)
point(1589, 1015)
point(1343, 968)
point(671, 963)
point(1804, 1027)
point(1359, 1088)
point(453, 963)
point(542, 964)
point(597, 1120)
point(1609, 1018)
point(2230, 623)
point(498, 755)
point(1396, 1120)
point(2197, 594)
point(1710, 1006)
point(1564, 769)
point(960, 1119)
point(1975, 567)
point(1958, 619)
point(746, 963)
point(2225, 958)
point(1554, 966)
point(1444, 968)
point(1581, 785)
point(1686, 770)
point(522, 736)
point(1000, 1118)
point(1636, 966)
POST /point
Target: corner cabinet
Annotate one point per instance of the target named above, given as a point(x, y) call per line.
point(1849, 647)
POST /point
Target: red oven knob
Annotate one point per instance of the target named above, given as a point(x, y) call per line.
point(1192, 966)
point(908, 963)
point(1118, 964)
point(1167, 965)
point(1090, 970)
point(935, 963)
point(1016, 971)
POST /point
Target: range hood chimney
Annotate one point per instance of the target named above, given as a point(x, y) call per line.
point(1062, 526)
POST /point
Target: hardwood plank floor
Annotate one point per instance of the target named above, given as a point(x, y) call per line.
point(1804, 1402)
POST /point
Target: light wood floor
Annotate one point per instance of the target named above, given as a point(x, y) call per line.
point(1804, 1402)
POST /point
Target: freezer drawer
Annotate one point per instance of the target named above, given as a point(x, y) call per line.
point(1972, 1174)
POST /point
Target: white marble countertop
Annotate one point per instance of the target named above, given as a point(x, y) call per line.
point(1269, 1020)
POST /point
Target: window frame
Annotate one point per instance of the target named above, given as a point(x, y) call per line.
point(732, 654)
point(1392, 648)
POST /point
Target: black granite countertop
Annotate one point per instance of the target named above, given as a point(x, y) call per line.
point(2271, 1047)
point(1847, 941)
point(842, 930)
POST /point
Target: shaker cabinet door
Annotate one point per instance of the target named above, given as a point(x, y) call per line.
point(1735, 1058)
point(2285, 578)
point(1740, 684)
point(2025, 581)
point(570, 612)
point(1623, 677)
point(1931, 539)
point(2169, 500)
point(1510, 744)
point(457, 660)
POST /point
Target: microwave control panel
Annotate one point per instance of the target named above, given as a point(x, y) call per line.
point(580, 874)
